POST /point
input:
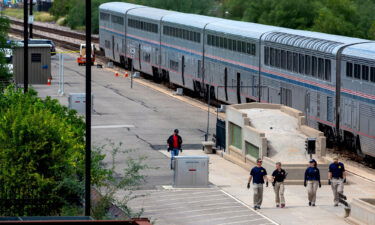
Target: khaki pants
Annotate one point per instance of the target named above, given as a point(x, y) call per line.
point(312, 186)
point(258, 194)
point(337, 185)
point(279, 192)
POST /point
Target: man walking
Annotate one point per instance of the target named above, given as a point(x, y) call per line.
point(258, 174)
point(174, 145)
point(336, 178)
point(279, 176)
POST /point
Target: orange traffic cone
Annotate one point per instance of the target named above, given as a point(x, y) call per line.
point(49, 81)
point(126, 74)
point(116, 74)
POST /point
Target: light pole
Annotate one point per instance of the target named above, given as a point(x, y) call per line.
point(25, 48)
point(88, 111)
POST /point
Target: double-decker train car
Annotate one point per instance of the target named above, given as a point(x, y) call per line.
point(329, 77)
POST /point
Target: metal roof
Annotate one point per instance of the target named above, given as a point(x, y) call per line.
point(120, 7)
point(191, 20)
point(245, 29)
point(365, 50)
point(151, 13)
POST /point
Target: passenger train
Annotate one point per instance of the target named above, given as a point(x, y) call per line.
point(330, 78)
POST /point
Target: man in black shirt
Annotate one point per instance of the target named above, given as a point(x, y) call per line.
point(258, 174)
point(336, 178)
point(279, 176)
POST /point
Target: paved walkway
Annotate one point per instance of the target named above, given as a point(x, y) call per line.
point(232, 179)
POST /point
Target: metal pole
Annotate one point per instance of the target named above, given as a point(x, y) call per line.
point(31, 13)
point(131, 77)
point(25, 48)
point(88, 110)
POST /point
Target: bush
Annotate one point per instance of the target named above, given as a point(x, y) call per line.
point(44, 17)
point(41, 152)
point(61, 21)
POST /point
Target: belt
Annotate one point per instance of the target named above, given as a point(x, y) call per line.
point(337, 178)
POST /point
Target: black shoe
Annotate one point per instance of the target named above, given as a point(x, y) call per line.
point(277, 205)
point(255, 207)
point(336, 204)
point(258, 207)
point(313, 204)
point(309, 203)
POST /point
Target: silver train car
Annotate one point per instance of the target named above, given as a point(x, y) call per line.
point(331, 78)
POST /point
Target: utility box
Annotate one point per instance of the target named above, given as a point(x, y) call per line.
point(77, 101)
point(39, 63)
point(190, 171)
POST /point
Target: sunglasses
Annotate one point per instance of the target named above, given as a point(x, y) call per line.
point(259, 162)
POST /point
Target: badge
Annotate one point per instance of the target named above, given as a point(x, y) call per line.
point(262, 171)
point(339, 167)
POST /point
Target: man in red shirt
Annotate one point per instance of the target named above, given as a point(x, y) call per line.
point(174, 145)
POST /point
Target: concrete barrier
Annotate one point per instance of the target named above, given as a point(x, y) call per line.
point(257, 139)
point(362, 211)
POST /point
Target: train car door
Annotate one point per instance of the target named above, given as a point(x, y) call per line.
point(139, 57)
point(183, 70)
point(286, 97)
point(113, 48)
point(307, 106)
point(225, 83)
point(239, 88)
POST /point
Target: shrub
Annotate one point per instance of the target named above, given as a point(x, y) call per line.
point(44, 17)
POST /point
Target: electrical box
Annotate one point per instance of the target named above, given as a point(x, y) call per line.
point(191, 171)
point(77, 101)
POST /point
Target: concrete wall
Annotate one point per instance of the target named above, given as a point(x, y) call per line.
point(362, 211)
point(257, 138)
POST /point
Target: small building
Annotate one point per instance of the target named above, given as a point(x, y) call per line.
point(275, 133)
point(39, 63)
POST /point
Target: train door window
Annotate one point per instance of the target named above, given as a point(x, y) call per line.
point(320, 68)
point(357, 71)
point(283, 59)
point(146, 57)
point(372, 74)
point(199, 69)
point(349, 69)
point(314, 63)
point(266, 56)
point(327, 70)
point(278, 58)
point(301, 63)
point(295, 62)
point(364, 72)
point(290, 61)
point(173, 65)
point(329, 109)
point(308, 65)
point(272, 56)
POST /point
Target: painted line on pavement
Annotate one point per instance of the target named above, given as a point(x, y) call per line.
point(244, 204)
point(112, 126)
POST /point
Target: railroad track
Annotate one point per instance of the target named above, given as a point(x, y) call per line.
point(70, 34)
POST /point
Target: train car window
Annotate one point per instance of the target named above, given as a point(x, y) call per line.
point(266, 56)
point(349, 69)
point(239, 46)
point(253, 49)
point(248, 49)
point(209, 39)
point(364, 72)
point(234, 45)
point(225, 43)
point(230, 44)
point(221, 42)
point(295, 62)
point(357, 71)
point(321, 68)
point(283, 59)
point(327, 70)
point(307, 65)
point(301, 63)
point(217, 43)
point(198, 35)
point(272, 56)
point(243, 47)
point(372, 74)
point(277, 58)
point(185, 34)
point(104, 16)
point(289, 61)
point(314, 64)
